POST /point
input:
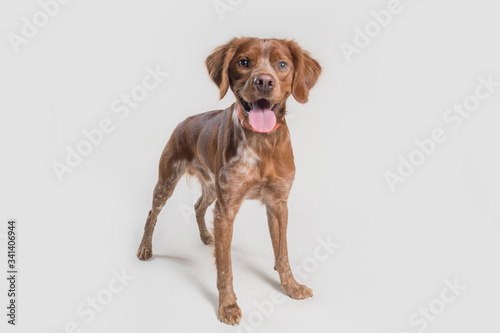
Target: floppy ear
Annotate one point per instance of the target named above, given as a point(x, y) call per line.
point(218, 65)
point(307, 71)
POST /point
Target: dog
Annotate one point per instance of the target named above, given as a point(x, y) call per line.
point(242, 152)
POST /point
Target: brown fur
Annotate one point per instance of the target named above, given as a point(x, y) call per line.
point(233, 163)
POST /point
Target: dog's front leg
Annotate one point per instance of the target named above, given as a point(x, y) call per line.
point(224, 213)
point(277, 215)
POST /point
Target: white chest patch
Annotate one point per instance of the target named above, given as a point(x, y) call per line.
point(245, 156)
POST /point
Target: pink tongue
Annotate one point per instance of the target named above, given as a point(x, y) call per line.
point(262, 120)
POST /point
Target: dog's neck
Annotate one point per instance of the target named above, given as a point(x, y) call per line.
point(262, 143)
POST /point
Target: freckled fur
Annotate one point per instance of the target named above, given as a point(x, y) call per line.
point(234, 163)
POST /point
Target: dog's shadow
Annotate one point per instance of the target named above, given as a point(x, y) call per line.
point(189, 272)
point(240, 256)
point(210, 294)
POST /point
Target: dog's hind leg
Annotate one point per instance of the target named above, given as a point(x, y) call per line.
point(206, 199)
point(171, 170)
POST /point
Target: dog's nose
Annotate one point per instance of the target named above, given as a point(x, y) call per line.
point(264, 82)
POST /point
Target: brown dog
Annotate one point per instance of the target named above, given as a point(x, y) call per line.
point(243, 152)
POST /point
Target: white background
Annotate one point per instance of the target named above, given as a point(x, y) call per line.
point(396, 248)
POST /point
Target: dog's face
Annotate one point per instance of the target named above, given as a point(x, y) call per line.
point(263, 73)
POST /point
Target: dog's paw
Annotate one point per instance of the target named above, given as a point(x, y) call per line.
point(207, 239)
point(230, 314)
point(145, 252)
point(299, 291)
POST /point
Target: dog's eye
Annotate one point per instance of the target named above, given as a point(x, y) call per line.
point(282, 66)
point(243, 63)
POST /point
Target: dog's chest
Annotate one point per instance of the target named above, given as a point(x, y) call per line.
point(246, 163)
point(256, 174)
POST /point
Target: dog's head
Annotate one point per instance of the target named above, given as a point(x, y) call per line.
point(263, 73)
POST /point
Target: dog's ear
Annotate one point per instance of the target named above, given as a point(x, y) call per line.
point(218, 65)
point(307, 71)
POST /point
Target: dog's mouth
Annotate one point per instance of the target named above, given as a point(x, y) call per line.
point(259, 104)
point(261, 114)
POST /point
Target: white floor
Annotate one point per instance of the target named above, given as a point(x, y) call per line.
point(423, 258)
